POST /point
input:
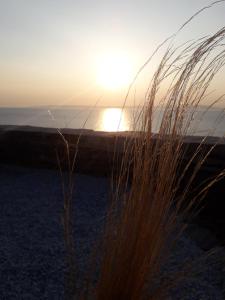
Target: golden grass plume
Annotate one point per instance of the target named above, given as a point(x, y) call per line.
point(147, 203)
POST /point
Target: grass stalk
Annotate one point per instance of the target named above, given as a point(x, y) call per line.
point(142, 224)
point(148, 198)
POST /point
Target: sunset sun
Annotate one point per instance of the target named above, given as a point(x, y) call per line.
point(114, 71)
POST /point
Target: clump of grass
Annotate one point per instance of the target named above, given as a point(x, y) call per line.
point(142, 222)
point(148, 198)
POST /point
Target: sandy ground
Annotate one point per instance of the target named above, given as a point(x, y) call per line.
point(31, 237)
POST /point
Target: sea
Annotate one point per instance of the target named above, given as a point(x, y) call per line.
point(110, 119)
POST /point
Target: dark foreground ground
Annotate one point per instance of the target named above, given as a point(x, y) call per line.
point(32, 256)
point(31, 237)
point(31, 234)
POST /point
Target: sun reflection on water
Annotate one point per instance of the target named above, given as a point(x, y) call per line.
point(114, 119)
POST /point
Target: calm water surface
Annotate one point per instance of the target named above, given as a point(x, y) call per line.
point(103, 119)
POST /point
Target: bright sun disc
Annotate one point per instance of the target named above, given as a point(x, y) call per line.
point(114, 71)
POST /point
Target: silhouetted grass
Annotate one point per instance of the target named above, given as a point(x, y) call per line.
point(142, 222)
point(148, 201)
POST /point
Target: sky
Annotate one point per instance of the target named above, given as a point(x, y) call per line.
point(57, 52)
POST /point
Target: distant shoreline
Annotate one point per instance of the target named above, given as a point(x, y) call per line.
point(39, 147)
point(90, 132)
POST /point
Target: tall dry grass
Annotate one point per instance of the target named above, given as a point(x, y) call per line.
point(148, 200)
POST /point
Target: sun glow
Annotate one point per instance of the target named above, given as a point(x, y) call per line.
point(114, 71)
point(114, 119)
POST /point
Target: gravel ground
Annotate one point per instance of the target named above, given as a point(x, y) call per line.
point(31, 237)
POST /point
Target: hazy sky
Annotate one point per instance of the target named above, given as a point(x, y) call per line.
point(51, 51)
